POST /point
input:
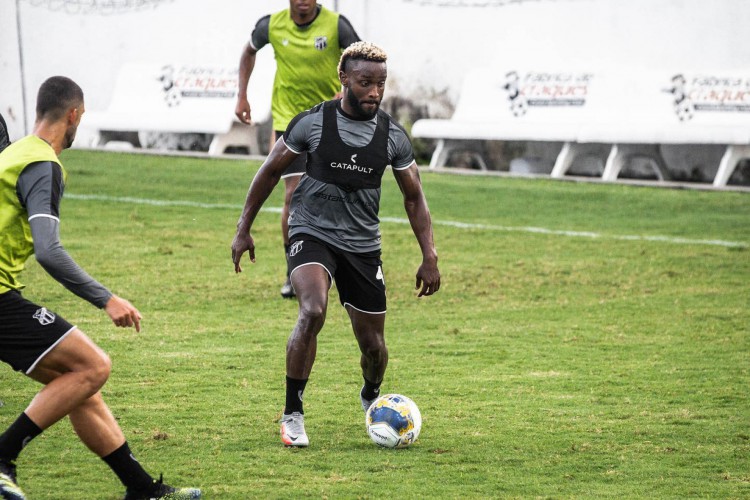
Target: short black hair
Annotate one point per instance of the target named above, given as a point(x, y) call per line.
point(56, 96)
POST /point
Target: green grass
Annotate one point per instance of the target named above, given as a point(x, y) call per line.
point(548, 365)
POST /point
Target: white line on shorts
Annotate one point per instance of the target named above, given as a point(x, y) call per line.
point(455, 224)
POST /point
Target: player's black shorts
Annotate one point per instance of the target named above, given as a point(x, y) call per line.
point(358, 276)
point(28, 331)
point(297, 167)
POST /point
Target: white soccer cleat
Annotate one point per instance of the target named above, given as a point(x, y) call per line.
point(9, 488)
point(287, 290)
point(293, 430)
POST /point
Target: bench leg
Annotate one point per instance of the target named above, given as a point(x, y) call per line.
point(239, 135)
point(439, 155)
point(729, 161)
point(573, 152)
point(661, 167)
point(480, 161)
point(564, 161)
point(614, 164)
point(445, 147)
point(619, 154)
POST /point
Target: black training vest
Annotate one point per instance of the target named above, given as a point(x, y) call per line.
point(350, 168)
point(338, 199)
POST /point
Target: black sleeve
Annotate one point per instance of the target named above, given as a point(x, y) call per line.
point(260, 36)
point(39, 189)
point(299, 137)
point(347, 35)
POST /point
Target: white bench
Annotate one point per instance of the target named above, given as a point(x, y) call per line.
point(619, 115)
point(493, 106)
point(181, 99)
point(669, 108)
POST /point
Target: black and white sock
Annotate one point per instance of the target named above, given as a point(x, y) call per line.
point(16, 437)
point(295, 389)
point(127, 468)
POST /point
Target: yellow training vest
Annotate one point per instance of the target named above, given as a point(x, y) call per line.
point(16, 244)
point(306, 64)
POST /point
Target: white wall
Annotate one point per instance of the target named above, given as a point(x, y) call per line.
point(430, 47)
point(435, 46)
point(11, 97)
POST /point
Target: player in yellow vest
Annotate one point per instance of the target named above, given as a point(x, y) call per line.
point(307, 41)
point(35, 340)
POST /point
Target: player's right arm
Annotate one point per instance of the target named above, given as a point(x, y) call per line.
point(302, 136)
point(347, 34)
point(263, 183)
point(247, 63)
point(258, 39)
point(299, 138)
point(39, 189)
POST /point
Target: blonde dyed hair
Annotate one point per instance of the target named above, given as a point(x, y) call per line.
point(361, 51)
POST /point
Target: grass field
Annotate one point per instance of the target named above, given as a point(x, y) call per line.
point(589, 341)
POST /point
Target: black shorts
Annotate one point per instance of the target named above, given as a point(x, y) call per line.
point(298, 166)
point(28, 331)
point(358, 276)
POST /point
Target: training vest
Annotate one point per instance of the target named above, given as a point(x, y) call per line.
point(16, 244)
point(307, 59)
point(338, 199)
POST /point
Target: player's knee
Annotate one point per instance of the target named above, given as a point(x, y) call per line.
point(98, 370)
point(312, 316)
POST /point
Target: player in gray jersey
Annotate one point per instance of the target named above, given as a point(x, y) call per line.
point(334, 226)
point(307, 41)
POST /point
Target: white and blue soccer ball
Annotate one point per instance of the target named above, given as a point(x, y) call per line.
point(393, 421)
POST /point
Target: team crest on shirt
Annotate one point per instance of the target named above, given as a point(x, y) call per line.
point(44, 316)
point(321, 42)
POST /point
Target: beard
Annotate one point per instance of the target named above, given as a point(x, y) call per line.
point(356, 105)
point(70, 136)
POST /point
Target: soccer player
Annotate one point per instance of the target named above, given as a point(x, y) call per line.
point(33, 339)
point(307, 41)
point(333, 223)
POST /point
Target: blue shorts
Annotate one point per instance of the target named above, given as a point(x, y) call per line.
point(358, 276)
point(28, 331)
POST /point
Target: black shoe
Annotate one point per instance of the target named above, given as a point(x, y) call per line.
point(161, 490)
point(287, 290)
point(9, 489)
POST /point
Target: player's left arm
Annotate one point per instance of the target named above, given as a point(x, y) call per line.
point(39, 189)
point(415, 203)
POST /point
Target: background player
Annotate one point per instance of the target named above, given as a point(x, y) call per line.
point(334, 226)
point(307, 40)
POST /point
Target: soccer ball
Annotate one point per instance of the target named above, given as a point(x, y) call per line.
point(393, 421)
